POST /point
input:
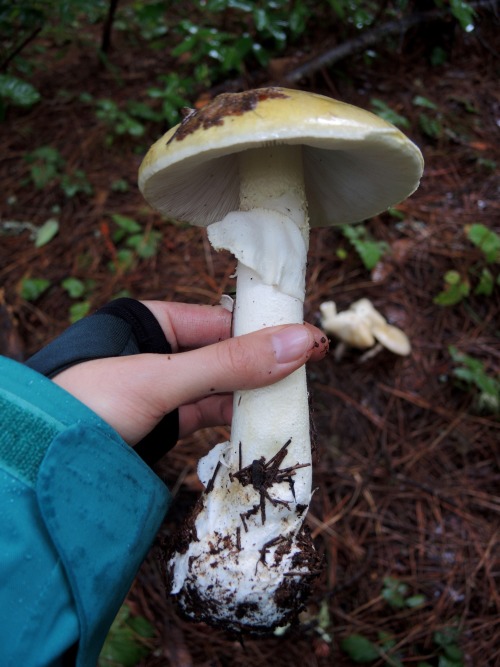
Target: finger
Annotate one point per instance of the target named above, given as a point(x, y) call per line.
point(133, 393)
point(211, 411)
point(245, 362)
point(188, 326)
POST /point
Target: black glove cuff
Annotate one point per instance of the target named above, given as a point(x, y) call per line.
point(121, 328)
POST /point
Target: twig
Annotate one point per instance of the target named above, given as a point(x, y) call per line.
point(108, 26)
point(368, 39)
point(368, 414)
point(18, 49)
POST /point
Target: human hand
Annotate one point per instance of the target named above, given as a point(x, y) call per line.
point(133, 393)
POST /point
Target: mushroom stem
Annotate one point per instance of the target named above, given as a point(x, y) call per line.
point(247, 558)
point(273, 178)
point(263, 419)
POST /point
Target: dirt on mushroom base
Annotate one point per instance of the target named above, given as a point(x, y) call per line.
point(408, 474)
point(228, 612)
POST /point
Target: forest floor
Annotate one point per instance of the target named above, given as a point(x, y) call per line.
point(408, 458)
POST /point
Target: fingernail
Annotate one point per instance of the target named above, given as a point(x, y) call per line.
point(290, 343)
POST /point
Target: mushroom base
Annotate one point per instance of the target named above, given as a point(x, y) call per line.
point(237, 601)
point(241, 561)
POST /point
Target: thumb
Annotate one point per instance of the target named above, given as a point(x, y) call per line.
point(133, 393)
point(245, 362)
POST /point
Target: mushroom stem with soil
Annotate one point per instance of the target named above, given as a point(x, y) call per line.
point(256, 571)
point(253, 167)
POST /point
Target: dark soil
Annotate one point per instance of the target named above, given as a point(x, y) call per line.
point(408, 466)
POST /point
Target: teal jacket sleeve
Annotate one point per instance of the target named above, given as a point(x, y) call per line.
point(78, 512)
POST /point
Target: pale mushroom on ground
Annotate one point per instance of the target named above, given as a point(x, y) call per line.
point(258, 168)
point(362, 326)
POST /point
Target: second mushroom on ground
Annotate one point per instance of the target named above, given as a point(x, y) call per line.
point(363, 327)
point(259, 168)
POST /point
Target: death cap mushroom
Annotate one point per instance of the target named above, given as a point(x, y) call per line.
point(355, 164)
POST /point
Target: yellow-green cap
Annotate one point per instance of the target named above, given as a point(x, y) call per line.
point(355, 164)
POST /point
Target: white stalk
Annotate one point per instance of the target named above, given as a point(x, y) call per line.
point(245, 557)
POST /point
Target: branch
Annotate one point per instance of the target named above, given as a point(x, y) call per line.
point(108, 26)
point(19, 48)
point(354, 46)
point(367, 39)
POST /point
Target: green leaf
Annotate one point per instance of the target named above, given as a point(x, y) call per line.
point(78, 310)
point(369, 251)
point(394, 592)
point(74, 287)
point(145, 245)
point(486, 240)
point(18, 92)
point(473, 373)
point(415, 601)
point(438, 56)
point(486, 283)
point(453, 652)
point(72, 184)
point(421, 101)
point(128, 225)
point(46, 232)
point(430, 126)
point(141, 626)
point(384, 111)
point(120, 185)
point(456, 289)
point(464, 14)
point(47, 154)
point(395, 213)
point(126, 643)
point(46, 163)
point(124, 261)
point(42, 174)
point(386, 640)
point(142, 110)
point(33, 288)
point(360, 649)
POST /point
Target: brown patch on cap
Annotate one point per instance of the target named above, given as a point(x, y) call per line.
point(227, 104)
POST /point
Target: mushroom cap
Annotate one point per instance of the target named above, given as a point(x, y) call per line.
point(355, 164)
point(367, 311)
point(392, 338)
point(361, 325)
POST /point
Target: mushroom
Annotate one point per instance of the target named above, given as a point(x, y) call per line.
point(258, 168)
point(361, 326)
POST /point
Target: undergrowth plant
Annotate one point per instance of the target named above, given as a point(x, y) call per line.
point(16, 93)
point(210, 38)
point(127, 120)
point(47, 166)
point(79, 291)
point(386, 112)
point(473, 376)
point(388, 650)
point(482, 277)
point(131, 242)
point(369, 249)
point(32, 288)
point(129, 640)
